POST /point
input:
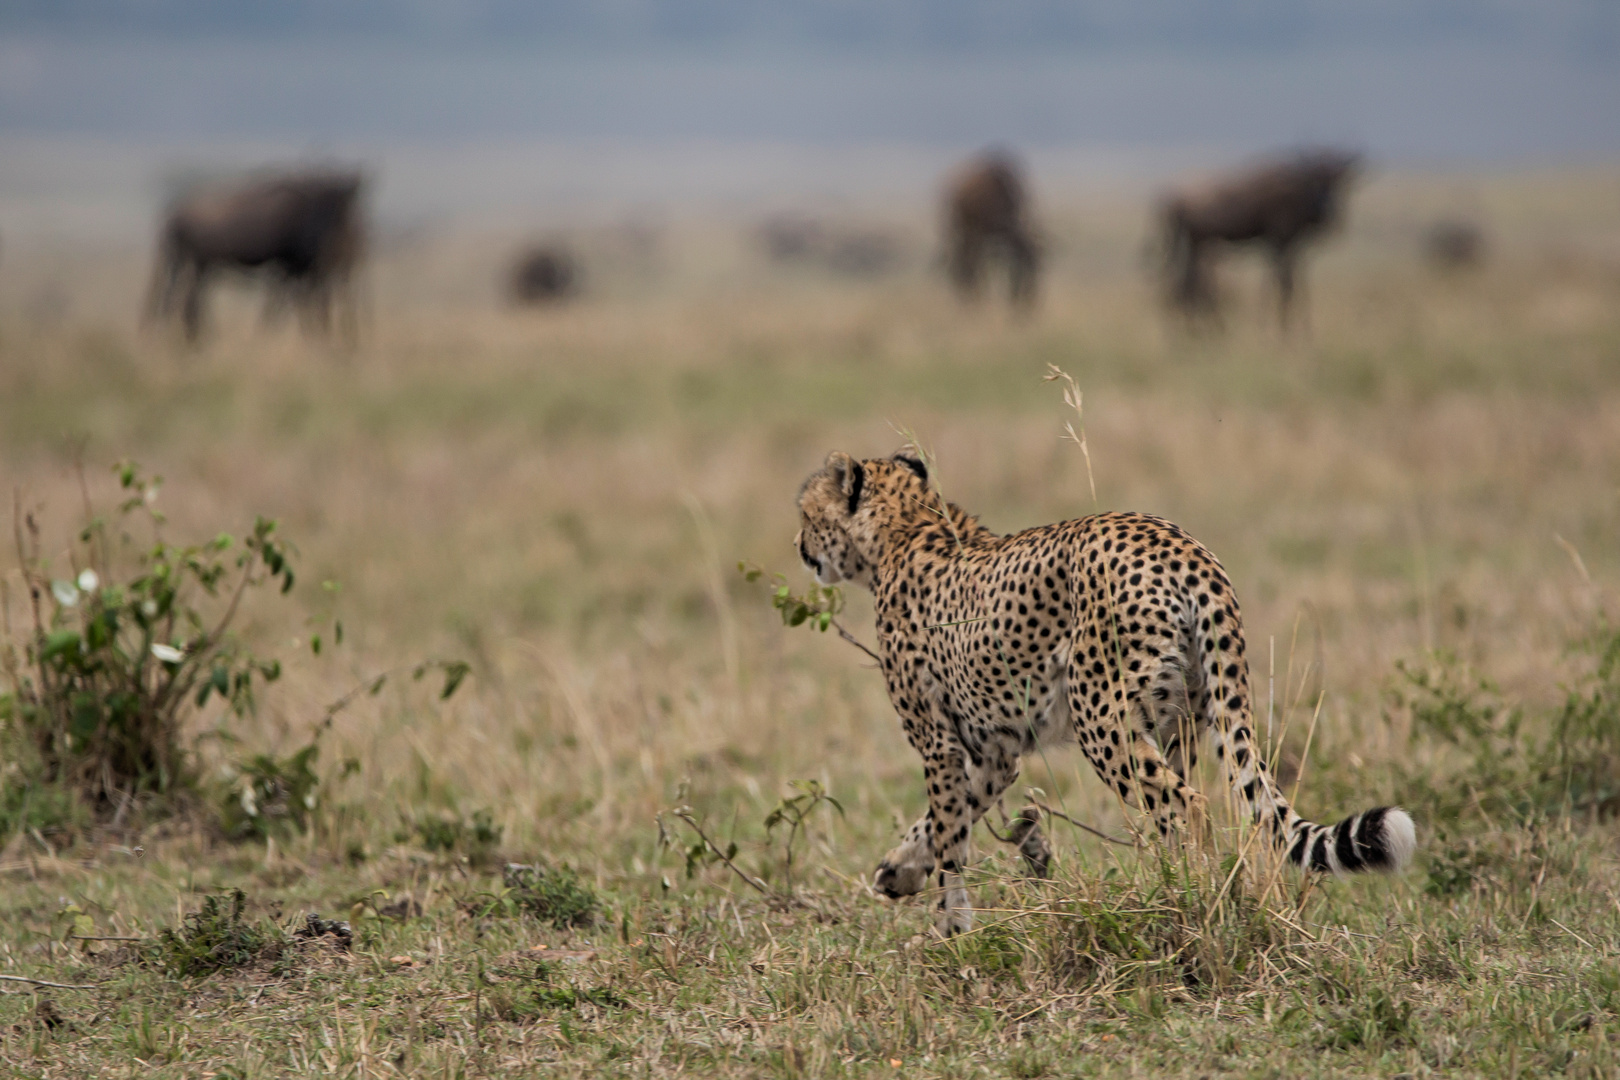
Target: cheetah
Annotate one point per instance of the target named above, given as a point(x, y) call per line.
point(1119, 627)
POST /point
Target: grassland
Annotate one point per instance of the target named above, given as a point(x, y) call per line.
point(1430, 477)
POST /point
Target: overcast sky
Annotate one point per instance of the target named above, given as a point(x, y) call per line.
point(1419, 81)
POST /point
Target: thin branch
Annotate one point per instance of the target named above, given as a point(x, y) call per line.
point(1082, 825)
point(209, 640)
point(93, 937)
point(686, 816)
point(47, 982)
point(855, 641)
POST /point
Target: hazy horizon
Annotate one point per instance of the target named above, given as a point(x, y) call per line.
point(1417, 82)
point(103, 103)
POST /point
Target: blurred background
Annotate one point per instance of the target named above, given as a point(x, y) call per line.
point(551, 108)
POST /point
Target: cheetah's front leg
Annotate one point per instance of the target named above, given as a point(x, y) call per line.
point(904, 870)
point(951, 807)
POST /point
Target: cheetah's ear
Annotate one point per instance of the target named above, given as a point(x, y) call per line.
point(847, 473)
point(913, 462)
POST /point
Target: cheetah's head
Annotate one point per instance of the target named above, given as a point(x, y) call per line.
point(846, 508)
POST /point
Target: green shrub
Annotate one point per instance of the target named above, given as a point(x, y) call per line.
point(30, 806)
point(122, 650)
point(475, 837)
point(217, 937)
point(1512, 768)
point(269, 794)
point(553, 894)
point(1582, 757)
point(525, 1003)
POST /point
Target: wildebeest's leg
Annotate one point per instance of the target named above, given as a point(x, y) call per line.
point(191, 312)
point(967, 252)
point(317, 307)
point(1187, 288)
point(165, 278)
point(1283, 261)
point(346, 297)
point(278, 298)
point(1023, 260)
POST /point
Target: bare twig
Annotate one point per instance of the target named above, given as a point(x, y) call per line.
point(1082, 825)
point(855, 641)
point(93, 937)
point(47, 982)
point(686, 816)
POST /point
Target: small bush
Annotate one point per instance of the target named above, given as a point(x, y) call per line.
point(1583, 756)
point(522, 1004)
point(125, 647)
point(553, 894)
point(270, 795)
point(1376, 1021)
point(217, 937)
point(1525, 772)
point(51, 810)
point(475, 837)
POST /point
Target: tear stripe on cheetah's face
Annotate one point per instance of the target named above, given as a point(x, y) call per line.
point(850, 509)
point(1120, 625)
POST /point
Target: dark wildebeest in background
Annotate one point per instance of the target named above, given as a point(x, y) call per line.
point(1278, 205)
point(543, 274)
point(1454, 244)
point(986, 216)
point(303, 231)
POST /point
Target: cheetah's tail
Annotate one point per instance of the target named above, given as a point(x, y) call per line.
point(1381, 839)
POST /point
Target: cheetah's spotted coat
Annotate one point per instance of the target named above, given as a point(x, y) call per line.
point(1120, 626)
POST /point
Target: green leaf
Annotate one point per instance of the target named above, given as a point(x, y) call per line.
point(337, 632)
point(86, 716)
point(454, 672)
point(59, 643)
point(315, 644)
point(221, 679)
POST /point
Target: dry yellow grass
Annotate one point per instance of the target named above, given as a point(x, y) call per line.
point(561, 496)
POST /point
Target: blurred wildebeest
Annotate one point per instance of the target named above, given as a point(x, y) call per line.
point(848, 250)
point(303, 230)
point(789, 238)
point(542, 274)
point(1454, 244)
point(1278, 205)
point(986, 215)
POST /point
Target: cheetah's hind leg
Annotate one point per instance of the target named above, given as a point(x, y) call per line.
point(1024, 832)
